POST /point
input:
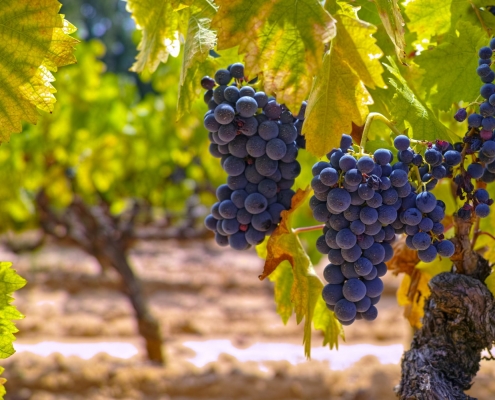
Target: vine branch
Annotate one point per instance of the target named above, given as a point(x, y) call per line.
point(297, 231)
point(369, 119)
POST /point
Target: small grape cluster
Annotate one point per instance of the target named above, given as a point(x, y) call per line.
point(364, 201)
point(257, 141)
point(421, 214)
point(478, 144)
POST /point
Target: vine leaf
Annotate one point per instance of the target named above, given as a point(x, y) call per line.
point(392, 20)
point(338, 98)
point(462, 52)
point(428, 18)
point(284, 44)
point(359, 49)
point(34, 40)
point(297, 287)
point(160, 22)
point(10, 281)
point(196, 62)
point(406, 106)
point(412, 293)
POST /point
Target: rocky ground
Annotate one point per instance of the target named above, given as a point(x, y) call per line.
point(199, 292)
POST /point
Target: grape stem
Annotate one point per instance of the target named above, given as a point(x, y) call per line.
point(485, 233)
point(369, 119)
point(477, 12)
point(477, 232)
point(297, 231)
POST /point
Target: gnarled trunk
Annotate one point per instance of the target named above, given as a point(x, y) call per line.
point(458, 324)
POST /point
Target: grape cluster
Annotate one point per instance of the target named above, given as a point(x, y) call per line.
point(357, 234)
point(364, 201)
point(257, 141)
point(478, 144)
point(421, 214)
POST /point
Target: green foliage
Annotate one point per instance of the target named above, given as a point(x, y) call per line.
point(26, 59)
point(116, 145)
point(461, 49)
point(406, 106)
point(160, 22)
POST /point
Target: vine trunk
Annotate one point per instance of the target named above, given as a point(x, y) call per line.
point(458, 324)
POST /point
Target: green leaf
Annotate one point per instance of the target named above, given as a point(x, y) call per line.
point(428, 18)
point(393, 22)
point(406, 106)
point(337, 99)
point(473, 11)
point(460, 48)
point(33, 41)
point(326, 322)
point(283, 279)
point(302, 292)
point(9, 283)
point(284, 44)
point(196, 61)
point(159, 21)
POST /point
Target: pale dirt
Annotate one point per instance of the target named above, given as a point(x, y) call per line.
point(198, 291)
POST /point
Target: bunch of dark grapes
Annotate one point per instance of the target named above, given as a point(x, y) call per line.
point(364, 201)
point(357, 233)
point(478, 144)
point(420, 214)
point(257, 141)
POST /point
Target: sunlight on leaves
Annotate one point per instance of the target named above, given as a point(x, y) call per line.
point(34, 41)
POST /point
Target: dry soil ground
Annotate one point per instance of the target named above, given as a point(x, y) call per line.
point(199, 292)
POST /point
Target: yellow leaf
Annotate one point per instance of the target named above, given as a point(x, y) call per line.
point(33, 41)
point(298, 288)
point(354, 36)
point(337, 99)
point(412, 294)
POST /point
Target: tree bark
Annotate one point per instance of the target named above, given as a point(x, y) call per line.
point(458, 323)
